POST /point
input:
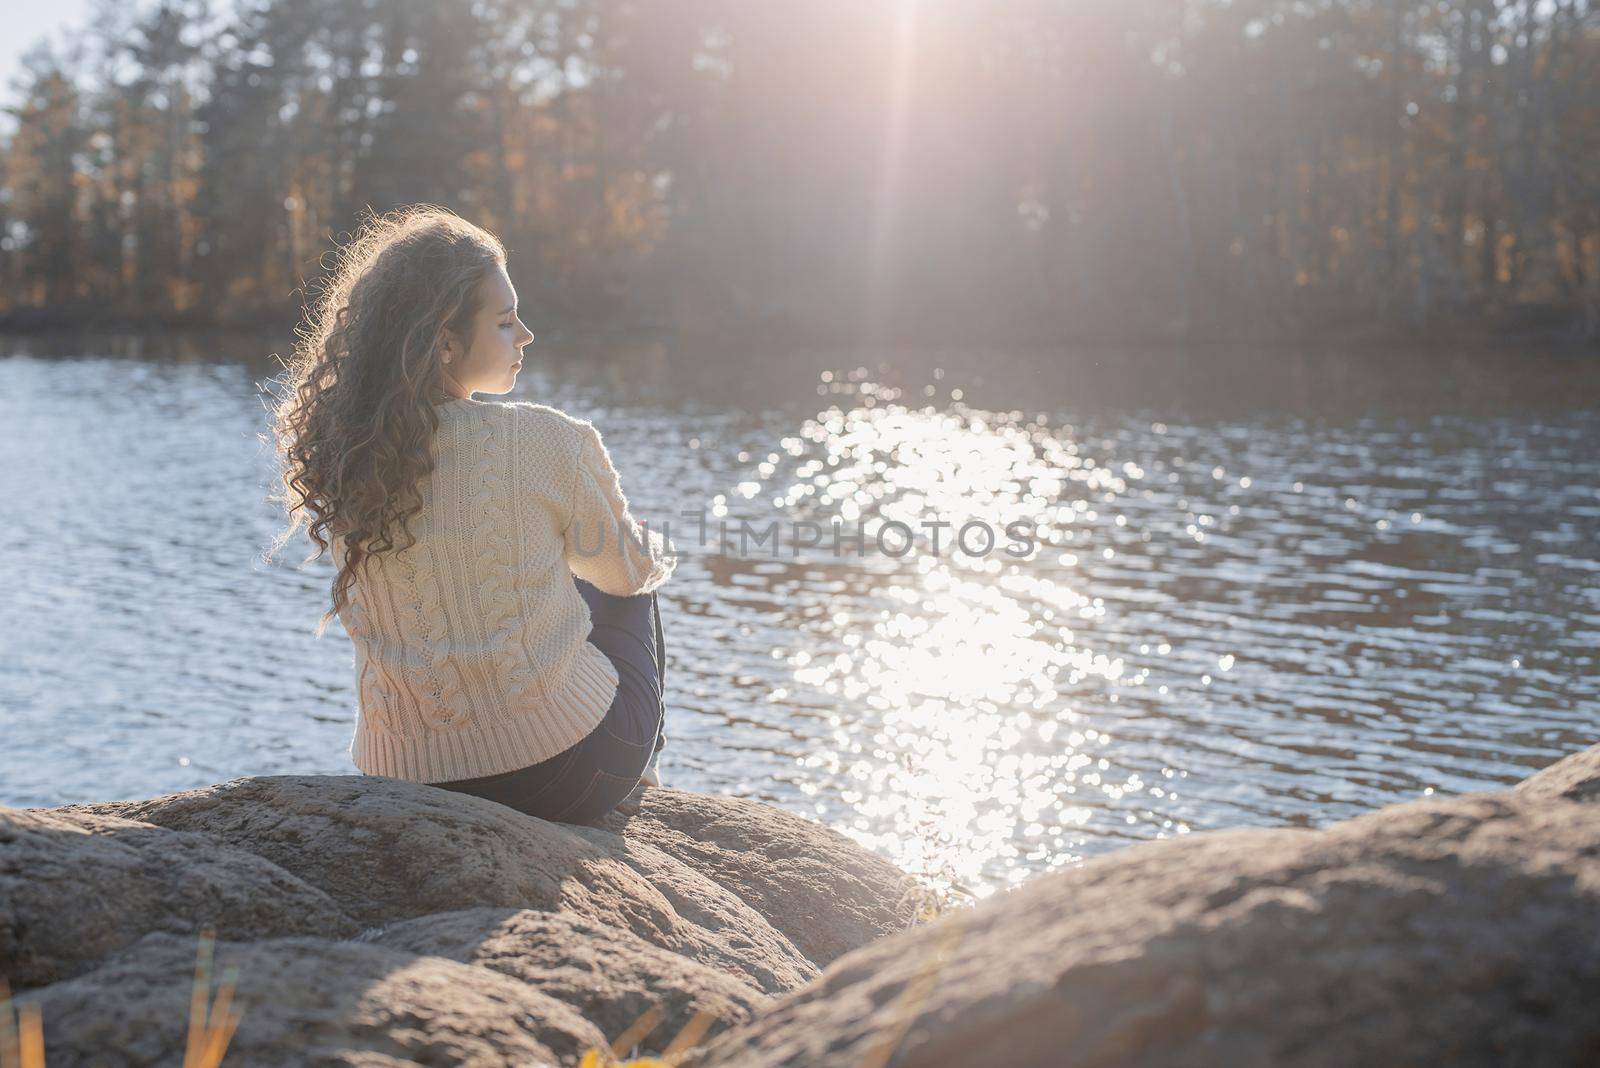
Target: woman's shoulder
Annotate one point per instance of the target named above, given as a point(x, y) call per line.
point(535, 412)
point(536, 422)
point(551, 419)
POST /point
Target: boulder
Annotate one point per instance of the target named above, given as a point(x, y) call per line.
point(388, 849)
point(75, 887)
point(308, 1001)
point(1447, 931)
point(1575, 778)
point(823, 891)
point(609, 976)
point(1458, 930)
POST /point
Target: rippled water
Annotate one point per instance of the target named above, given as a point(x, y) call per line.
point(1277, 589)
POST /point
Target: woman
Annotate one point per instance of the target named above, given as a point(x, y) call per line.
point(499, 593)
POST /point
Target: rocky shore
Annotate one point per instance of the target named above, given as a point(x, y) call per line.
point(376, 922)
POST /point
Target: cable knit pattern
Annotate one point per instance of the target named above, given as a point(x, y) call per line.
point(470, 646)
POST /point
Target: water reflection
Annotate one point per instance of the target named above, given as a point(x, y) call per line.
point(1232, 614)
point(1257, 603)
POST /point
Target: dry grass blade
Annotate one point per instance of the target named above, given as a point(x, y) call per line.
point(21, 1032)
point(637, 1031)
point(199, 994)
point(211, 1025)
point(219, 1034)
point(916, 991)
point(690, 1035)
point(8, 1027)
point(32, 1038)
point(217, 1040)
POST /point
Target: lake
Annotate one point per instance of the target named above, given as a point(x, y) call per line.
point(1269, 588)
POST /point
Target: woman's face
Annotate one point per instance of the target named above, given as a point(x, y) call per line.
point(488, 361)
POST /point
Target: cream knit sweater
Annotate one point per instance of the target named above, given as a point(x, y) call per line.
point(471, 656)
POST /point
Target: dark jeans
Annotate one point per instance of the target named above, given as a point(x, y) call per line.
point(589, 779)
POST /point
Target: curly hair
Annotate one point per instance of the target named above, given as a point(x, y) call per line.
point(355, 419)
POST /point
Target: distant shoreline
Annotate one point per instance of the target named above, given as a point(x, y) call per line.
point(769, 333)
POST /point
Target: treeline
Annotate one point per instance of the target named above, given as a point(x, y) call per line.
point(955, 170)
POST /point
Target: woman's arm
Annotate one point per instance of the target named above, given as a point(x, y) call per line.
point(604, 543)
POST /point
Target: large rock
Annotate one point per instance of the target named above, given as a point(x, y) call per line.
point(609, 976)
point(77, 886)
point(1460, 931)
point(306, 1001)
point(387, 850)
point(1463, 930)
point(822, 890)
point(1576, 778)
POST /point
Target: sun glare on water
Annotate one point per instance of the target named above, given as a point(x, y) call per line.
point(951, 662)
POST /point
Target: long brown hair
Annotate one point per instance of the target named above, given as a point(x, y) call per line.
point(355, 418)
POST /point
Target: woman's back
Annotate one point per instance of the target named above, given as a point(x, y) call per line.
point(470, 644)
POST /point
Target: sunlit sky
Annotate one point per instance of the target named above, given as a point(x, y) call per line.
point(26, 21)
